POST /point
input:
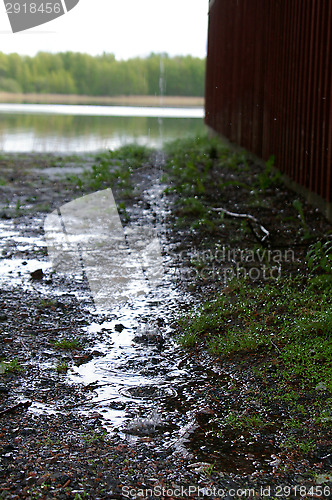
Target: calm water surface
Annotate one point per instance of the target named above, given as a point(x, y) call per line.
point(77, 128)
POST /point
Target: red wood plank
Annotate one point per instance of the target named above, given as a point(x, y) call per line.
point(268, 83)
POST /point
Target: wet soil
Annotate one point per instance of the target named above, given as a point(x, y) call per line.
point(62, 433)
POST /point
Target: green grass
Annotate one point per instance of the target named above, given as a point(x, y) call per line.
point(287, 318)
point(319, 257)
point(201, 173)
point(190, 163)
point(62, 367)
point(242, 421)
point(94, 437)
point(298, 207)
point(11, 366)
point(273, 332)
point(43, 207)
point(68, 344)
point(280, 333)
point(113, 169)
point(195, 165)
point(133, 154)
point(269, 177)
point(47, 303)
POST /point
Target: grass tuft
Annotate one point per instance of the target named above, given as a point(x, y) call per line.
point(285, 318)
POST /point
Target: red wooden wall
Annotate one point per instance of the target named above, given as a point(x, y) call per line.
point(268, 83)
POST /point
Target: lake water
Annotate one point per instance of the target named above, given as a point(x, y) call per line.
point(80, 128)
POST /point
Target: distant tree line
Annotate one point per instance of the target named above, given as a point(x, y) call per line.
point(77, 73)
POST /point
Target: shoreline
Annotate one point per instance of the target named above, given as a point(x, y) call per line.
point(131, 100)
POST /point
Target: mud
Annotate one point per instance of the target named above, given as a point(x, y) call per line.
point(125, 409)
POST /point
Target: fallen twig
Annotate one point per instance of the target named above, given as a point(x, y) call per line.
point(26, 404)
point(275, 346)
point(248, 218)
point(49, 330)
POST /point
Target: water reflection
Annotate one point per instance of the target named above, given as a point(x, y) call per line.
point(80, 133)
point(91, 110)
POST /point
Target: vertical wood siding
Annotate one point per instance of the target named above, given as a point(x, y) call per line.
point(268, 83)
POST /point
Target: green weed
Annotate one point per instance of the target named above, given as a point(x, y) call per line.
point(43, 207)
point(133, 155)
point(298, 207)
point(68, 344)
point(10, 366)
point(244, 421)
point(62, 367)
point(190, 163)
point(94, 437)
point(47, 303)
point(319, 257)
point(285, 318)
point(81, 495)
point(123, 212)
point(268, 177)
point(293, 443)
point(209, 469)
point(191, 207)
point(113, 168)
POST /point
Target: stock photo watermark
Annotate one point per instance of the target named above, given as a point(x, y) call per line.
point(224, 264)
point(186, 492)
point(23, 14)
point(85, 237)
point(193, 491)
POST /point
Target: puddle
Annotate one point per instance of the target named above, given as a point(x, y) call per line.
point(139, 382)
point(18, 270)
point(16, 250)
point(56, 173)
point(42, 409)
point(129, 377)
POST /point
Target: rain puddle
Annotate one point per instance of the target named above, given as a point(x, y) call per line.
point(138, 381)
point(16, 263)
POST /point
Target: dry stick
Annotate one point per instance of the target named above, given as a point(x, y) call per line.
point(49, 330)
point(275, 346)
point(249, 218)
point(26, 404)
point(78, 405)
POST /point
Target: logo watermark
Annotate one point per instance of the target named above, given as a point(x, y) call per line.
point(25, 14)
point(85, 237)
point(262, 492)
point(224, 264)
point(187, 492)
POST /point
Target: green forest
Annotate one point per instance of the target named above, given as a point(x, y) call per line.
point(82, 74)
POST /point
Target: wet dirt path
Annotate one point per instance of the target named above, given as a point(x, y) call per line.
point(138, 379)
point(129, 376)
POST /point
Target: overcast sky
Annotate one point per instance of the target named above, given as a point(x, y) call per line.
point(126, 28)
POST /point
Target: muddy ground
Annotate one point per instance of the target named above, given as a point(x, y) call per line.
point(49, 448)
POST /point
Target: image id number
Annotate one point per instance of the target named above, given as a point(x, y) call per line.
point(33, 8)
point(303, 491)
